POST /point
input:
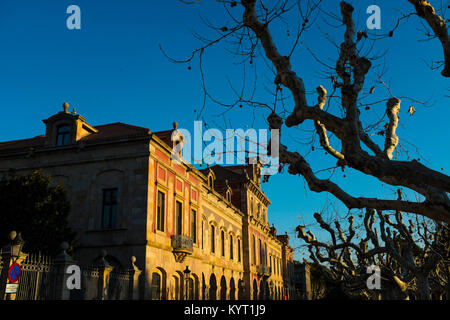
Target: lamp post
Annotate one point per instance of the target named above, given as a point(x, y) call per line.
point(10, 254)
point(187, 273)
point(16, 245)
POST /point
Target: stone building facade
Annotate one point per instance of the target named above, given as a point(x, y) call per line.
point(129, 198)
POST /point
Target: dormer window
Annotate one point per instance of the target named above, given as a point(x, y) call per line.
point(211, 181)
point(228, 196)
point(63, 135)
point(65, 128)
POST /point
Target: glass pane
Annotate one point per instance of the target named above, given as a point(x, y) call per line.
point(114, 193)
point(113, 216)
point(65, 138)
point(106, 217)
point(63, 129)
point(179, 218)
point(156, 286)
point(160, 211)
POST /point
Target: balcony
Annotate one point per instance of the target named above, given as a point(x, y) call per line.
point(182, 246)
point(263, 271)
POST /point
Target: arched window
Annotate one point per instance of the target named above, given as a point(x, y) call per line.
point(228, 196)
point(212, 287)
point(211, 181)
point(190, 289)
point(255, 290)
point(63, 135)
point(156, 286)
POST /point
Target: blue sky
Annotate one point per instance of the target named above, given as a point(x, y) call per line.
point(113, 70)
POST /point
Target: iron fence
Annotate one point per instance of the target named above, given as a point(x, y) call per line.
point(41, 276)
point(37, 280)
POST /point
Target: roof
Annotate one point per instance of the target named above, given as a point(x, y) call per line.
point(105, 132)
point(115, 130)
point(24, 143)
point(165, 136)
point(230, 173)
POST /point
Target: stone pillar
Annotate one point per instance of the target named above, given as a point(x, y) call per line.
point(62, 262)
point(104, 270)
point(135, 273)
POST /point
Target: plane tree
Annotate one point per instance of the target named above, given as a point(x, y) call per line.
point(341, 130)
point(413, 257)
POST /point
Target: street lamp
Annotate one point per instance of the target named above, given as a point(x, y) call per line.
point(16, 245)
point(187, 273)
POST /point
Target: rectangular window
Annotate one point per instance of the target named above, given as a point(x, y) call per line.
point(213, 248)
point(231, 247)
point(239, 249)
point(62, 135)
point(109, 210)
point(254, 249)
point(222, 236)
point(160, 211)
point(194, 225)
point(265, 254)
point(260, 252)
point(203, 228)
point(179, 218)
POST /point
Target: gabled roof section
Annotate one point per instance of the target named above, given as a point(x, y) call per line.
point(230, 173)
point(104, 132)
point(165, 136)
point(24, 143)
point(117, 130)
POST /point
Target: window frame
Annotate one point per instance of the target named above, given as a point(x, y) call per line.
point(231, 247)
point(239, 249)
point(253, 250)
point(213, 235)
point(193, 227)
point(159, 215)
point(222, 244)
point(178, 217)
point(112, 204)
point(65, 135)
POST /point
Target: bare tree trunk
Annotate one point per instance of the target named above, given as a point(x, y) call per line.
point(423, 287)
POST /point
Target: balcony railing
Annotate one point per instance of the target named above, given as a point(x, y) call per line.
point(264, 271)
point(181, 246)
